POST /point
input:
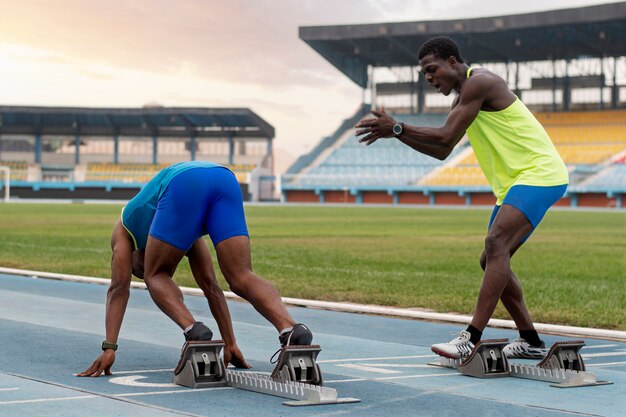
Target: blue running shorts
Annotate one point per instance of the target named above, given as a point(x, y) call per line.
point(198, 202)
point(533, 201)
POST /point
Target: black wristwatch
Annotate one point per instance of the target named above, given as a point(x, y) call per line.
point(397, 129)
point(108, 345)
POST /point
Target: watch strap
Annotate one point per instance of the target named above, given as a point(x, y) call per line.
point(108, 345)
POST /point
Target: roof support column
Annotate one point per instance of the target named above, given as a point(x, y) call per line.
point(553, 85)
point(192, 146)
point(516, 81)
point(154, 149)
point(567, 93)
point(77, 150)
point(38, 148)
point(270, 154)
point(231, 149)
point(116, 149)
point(420, 93)
point(412, 92)
point(615, 88)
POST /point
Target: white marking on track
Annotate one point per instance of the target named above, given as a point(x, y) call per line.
point(42, 400)
point(386, 378)
point(9, 389)
point(368, 368)
point(178, 391)
point(598, 346)
point(604, 354)
point(133, 381)
point(143, 371)
point(376, 359)
point(588, 365)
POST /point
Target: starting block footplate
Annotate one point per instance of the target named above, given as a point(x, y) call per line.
point(200, 365)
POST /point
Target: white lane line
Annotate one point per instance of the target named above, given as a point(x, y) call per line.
point(178, 391)
point(368, 368)
point(588, 365)
point(43, 400)
point(386, 378)
point(143, 371)
point(604, 354)
point(130, 394)
point(598, 346)
point(134, 381)
point(399, 365)
point(376, 359)
point(9, 389)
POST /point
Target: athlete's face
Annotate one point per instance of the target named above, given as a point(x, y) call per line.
point(440, 73)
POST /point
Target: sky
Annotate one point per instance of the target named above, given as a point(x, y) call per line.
point(204, 53)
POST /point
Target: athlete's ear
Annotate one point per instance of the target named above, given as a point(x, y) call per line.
point(452, 61)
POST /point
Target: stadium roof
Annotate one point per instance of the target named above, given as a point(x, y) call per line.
point(593, 31)
point(157, 121)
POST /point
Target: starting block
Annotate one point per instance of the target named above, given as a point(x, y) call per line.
point(297, 364)
point(296, 376)
point(563, 366)
point(486, 360)
point(200, 365)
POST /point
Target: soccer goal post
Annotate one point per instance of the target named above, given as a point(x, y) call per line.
point(6, 173)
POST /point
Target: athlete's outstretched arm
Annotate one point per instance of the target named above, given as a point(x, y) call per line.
point(437, 142)
point(117, 298)
point(204, 274)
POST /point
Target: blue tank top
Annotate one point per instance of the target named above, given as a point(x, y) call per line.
point(138, 213)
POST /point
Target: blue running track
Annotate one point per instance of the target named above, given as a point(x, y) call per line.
point(50, 330)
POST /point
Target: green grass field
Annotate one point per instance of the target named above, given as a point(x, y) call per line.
point(573, 269)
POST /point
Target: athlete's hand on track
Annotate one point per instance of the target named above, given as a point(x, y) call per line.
point(233, 355)
point(102, 363)
point(380, 127)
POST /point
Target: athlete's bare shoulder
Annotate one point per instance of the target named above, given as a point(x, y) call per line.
point(497, 94)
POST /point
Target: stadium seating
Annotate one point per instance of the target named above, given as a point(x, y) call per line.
point(610, 179)
point(581, 138)
point(384, 163)
point(18, 169)
point(142, 173)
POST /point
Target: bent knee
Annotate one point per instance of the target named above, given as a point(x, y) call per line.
point(483, 260)
point(495, 245)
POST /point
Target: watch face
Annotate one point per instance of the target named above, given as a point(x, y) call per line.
point(397, 129)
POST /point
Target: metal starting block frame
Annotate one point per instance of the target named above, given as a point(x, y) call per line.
point(200, 365)
point(297, 364)
point(296, 376)
point(486, 360)
point(563, 366)
point(304, 394)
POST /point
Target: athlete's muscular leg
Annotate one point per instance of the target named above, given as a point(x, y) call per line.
point(507, 230)
point(235, 262)
point(160, 264)
point(513, 298)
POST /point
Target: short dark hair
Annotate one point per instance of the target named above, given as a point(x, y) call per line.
point(441, 47)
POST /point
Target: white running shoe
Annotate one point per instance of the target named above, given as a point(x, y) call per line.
point(457, 348)
point(520, 348)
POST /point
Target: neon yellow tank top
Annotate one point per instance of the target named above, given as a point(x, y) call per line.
point(513, 148)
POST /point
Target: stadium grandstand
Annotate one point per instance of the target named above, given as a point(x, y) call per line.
point(87, 153)
point(568, 66)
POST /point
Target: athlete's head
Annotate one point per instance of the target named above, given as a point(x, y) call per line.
point(441, 63)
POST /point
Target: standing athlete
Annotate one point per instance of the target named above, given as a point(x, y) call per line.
point(522, 165)
point(166, 221)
